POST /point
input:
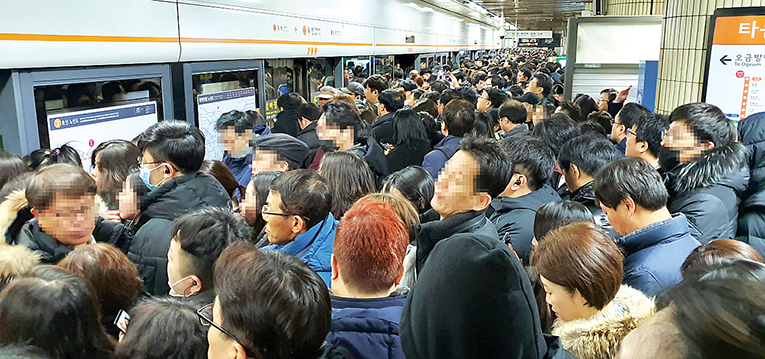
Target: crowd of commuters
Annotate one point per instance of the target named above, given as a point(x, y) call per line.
point(463, 212)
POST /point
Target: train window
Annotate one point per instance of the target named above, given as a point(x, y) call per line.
point(355, 67)
point(282, 76)
point(216, 93)
point(321, 72)
point(84, 114)
point(384, 65)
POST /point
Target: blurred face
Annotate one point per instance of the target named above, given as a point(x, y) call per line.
point(234, 142)
point(683, 143)
point(220, 345)
point(279, 225)
point(249, 206)
point(455, 191)
point(567, 306)
point(483, 102)
point(330, 133)
point(70, 220)
point(267, 161)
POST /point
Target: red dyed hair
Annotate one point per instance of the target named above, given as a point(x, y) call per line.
point(370, 245)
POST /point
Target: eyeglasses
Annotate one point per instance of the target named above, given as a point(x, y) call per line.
point(265, 210)
point(630, 132)
point(613, 122)
point(205, 317)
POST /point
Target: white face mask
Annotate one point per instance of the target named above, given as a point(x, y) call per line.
point(175, 294)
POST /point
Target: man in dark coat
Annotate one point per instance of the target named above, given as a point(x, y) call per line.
point(472, 298)
point(309, 114)
point(287, 118)
point(458, 119)
point(367, 265)
point(751, 224)
point(655, 242)
point(513, 211)
point(706, 170)
point(580, 159)
point(389, 102)
point(173, 152)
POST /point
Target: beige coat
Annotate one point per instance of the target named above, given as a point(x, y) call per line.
point(597, 337)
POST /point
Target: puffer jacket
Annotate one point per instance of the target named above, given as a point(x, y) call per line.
point(586, 196)
point(751, 222)
point(368, 328)
point(597, 337)
point(159, 209)
point(708, 191)
point(373, 154)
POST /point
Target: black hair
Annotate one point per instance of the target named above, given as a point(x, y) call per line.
point(289, 101)
point(415, 184)
point(409, 129)
point(477, 77)
point(44, 157)
point(496, 96)
point(309, 111)
point(149, 336)
point(572, 109)
point(408, 85)
point(275, 305)
point(495, 166)
point(707, 122)
point(349, 178)
point(176, 142)
point(10, 167)
point(650, 128)
point(498, 82)
point(55, 311)
point(556, 130)
point(587, 105)
point(558, 214)
point(439, 86)
point(513, 111)
point(469, 93)
point(115, 160)
point(557, 89)
point(343, 115)
point(22, 351)
point(611, 94)
point(531, 157)
point(392, 100)
point(203, 234)
point(589, 153)
point(544, 81)
point(417, 93)
point(459, 117)
point(631, 112)
point(426, 105)
point(602, 118)
point(526, 72)
point(484, 125)
point(304, 193)
point(239, 120)
point(593, 128)
point(376, 83)
point(448, 95)
point(630, 177)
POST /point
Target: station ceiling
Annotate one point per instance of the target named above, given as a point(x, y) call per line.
point(536, 14)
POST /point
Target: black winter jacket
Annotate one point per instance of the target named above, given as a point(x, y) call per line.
point(52, 251)
point(708, 192)
point(383, 129)
point(404, 155)
point(161, 206)
point(751, 223)
point(309, 136)
point(287, 122)
point(373, 154)
point(514, 218)
point(586, 196)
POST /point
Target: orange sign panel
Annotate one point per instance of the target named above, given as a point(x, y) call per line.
point(740, 30)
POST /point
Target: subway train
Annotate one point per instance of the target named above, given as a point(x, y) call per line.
point(190, 59)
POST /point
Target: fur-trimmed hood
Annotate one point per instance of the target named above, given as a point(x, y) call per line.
point(9, 208)
point(728, 164)
point(597, 337)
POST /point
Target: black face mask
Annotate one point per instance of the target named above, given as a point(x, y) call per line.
point(668, 159)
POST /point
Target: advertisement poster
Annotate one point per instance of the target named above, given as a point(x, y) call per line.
point(85, 130)
point(211, 106)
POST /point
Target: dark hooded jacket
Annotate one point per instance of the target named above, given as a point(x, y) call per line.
point(514, 218)
point(287, 122)
point(708, 192)
point(383, 128)
point(373, 154)
point(368, 328)
point(751, 223)
point(309, 136)
point(472, 299)
point(52, 251)
point(161, 206)
point(653, 255)
point(586, 196)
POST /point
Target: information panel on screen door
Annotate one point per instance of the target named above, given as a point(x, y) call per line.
point(737, 66)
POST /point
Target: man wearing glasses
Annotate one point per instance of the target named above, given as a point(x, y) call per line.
point(268, 305)
point(624, 120)
point(644, 138)
point(298, 219)
point(172, 153)
point(706, 170)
